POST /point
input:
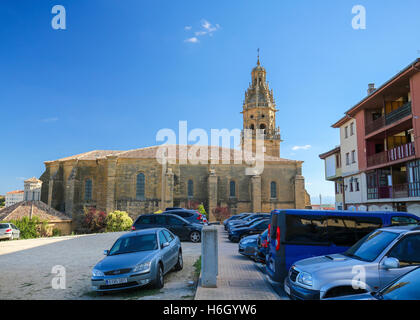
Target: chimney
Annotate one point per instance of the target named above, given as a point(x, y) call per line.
point(371, 88)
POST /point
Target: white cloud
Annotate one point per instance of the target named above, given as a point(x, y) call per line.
point(307, 147)
point(191, 40)
point(207, 29)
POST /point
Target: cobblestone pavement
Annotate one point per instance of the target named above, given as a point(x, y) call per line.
point(239, 277)
point(26, 265)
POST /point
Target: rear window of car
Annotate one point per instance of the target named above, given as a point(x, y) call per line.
point(4, 226)
point(175, 221)
point(403, 221)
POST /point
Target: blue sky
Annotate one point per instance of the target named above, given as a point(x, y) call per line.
point(122, 70)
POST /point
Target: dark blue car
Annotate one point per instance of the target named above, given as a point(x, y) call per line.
point(299, 234)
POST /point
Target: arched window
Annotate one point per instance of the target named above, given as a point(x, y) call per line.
point(273, 190)
point(252, 127)
point(88, 189)
point(140, 186)
point(190, 188)
point(232, 188)
point(262, 127)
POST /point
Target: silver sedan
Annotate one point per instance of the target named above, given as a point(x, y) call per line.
point(137, 259)
point(9, 231)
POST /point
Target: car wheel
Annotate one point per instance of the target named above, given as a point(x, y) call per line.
point(159, 282)
point(180, 264)
point(195, 236)
point(11, 238)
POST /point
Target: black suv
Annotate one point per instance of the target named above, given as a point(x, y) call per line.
point(184, 229)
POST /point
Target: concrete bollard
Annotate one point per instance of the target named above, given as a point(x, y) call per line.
point(209, 257)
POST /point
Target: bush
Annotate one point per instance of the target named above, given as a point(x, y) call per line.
point(92, 221)
point(118, 221)
point(31, 228)
point(56, 232)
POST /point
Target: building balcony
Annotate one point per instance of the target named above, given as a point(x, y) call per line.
point(388, 119)
point(398, 153)
point(406, 190)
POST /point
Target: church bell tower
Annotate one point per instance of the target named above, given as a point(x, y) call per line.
point(259, 112)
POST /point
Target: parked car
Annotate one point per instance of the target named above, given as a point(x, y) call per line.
point(235, 217)
point(256, 228)
point(184, 229)
point(248, 246)
point(192, 216)
point(137, 259)
point(406, 287)
point(300, 234)
point(9, 231)
point(247, 224)
point(262, 247)
point(372, 263)
point(245, 221)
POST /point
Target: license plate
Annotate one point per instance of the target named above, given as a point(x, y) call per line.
point(116, 281)
point(287, 289)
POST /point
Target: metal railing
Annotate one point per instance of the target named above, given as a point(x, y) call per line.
point(388, 119)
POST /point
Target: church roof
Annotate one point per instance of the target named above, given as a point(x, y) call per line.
point(23, 209)
point(177, 151)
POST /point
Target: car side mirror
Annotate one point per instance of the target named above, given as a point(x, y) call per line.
point(391, 263)
point(164, 245)
point(106, 252)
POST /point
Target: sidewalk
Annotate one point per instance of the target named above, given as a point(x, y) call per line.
point(239, 277)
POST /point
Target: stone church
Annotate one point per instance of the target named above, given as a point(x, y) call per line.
point(136, 182)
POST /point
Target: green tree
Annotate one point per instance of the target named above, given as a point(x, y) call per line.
point(202, 210)
point(118, 221)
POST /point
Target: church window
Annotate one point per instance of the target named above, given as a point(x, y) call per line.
point(252, 127)
point(273, 190)
point(190, 188)
point(232, 187)
point(140, 186)
point(262, 127)
point(88, 189)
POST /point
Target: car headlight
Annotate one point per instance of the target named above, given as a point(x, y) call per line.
point(97, 273)
point(142, 267)
point(305, 278)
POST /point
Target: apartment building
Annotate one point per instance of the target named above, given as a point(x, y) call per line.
point(333, 164)
point(13, 197)
point(381, 160)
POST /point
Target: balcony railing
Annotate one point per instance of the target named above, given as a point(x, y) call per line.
point(398, 114)
point(388, 119)
point(398, 191)
point(398, 153)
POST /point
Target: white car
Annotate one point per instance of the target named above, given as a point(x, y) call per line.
point(9, 231)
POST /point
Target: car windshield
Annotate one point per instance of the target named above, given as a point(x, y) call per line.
point(369, 247)
point(145, 242)
point(406, 288)
point(4, 226)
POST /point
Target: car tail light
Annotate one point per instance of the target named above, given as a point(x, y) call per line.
point(269, 229)
point(264, 244)
point(278, 239)
point(8, 230)
point(133, 228)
